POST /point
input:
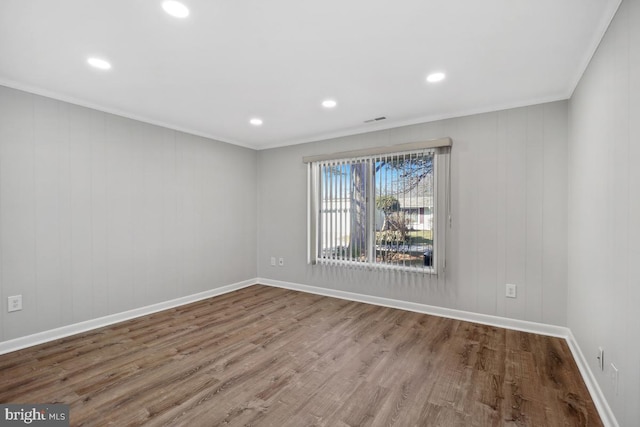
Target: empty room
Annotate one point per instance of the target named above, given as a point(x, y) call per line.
point(355, 213)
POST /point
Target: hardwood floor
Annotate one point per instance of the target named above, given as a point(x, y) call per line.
point(265, 356)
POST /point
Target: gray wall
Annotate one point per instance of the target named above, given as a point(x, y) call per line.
point(101, 214)
point(509, 215)
point(604, 211)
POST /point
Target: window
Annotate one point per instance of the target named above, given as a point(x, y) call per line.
point(382, 208)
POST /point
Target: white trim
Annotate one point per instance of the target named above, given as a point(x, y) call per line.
point(35, 90)
point(485, 319)
point(266, 145)
point(601, 29)
point(603, 408)
point(392, 124)
point(76, 328)
point(606, 414)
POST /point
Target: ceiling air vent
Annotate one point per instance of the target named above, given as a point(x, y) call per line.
point(377, 119)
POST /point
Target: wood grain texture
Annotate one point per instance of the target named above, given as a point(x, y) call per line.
point(265, 356)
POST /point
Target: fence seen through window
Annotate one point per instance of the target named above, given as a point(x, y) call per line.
point(378, 210)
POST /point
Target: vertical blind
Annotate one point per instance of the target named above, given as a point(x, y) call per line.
point(377, 210)
point(344, 214)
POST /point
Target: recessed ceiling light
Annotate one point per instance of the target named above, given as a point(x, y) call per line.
point(435, 77)
point(175, 8)
point(99, 63)
point(329, 103)
point(256, 121)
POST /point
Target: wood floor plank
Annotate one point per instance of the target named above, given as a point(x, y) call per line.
point(264, 356)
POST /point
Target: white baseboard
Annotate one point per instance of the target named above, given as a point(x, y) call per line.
point(76, 328)
point(604, 410)
point(485, 319)
point(606, 414)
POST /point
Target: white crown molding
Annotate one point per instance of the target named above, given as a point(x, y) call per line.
point(598, 35)
point(391, 124)
point(34, 90)
point(351, 131)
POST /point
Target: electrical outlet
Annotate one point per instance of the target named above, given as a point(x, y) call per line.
point(511, 290)
point(614, 378)
point(600, 358)
point(273, 261)
point(14, 303)
point(281, 262)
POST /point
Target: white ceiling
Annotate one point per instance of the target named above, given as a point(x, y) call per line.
point(233, 60)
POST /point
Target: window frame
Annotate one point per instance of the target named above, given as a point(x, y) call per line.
point(441, 219)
